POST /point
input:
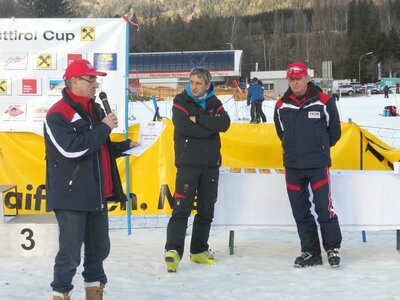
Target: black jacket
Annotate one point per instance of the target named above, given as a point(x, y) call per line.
point(74, 171)
point(307, 129)
point(198, 144)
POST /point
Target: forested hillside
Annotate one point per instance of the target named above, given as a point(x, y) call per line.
point(272, 33)
point(332, 30)
point(194, 8)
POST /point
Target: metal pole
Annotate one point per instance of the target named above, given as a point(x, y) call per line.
point(359, 66)
point(127, 170)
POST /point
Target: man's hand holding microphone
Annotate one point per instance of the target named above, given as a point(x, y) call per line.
point(111, 119)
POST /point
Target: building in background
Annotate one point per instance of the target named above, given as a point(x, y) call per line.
point(164, 74)
point(275, 82)
point(171, 69)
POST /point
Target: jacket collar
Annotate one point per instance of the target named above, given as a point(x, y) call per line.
point(79, 104)
point(311, 94)
point(86, 102)
point(201, 101)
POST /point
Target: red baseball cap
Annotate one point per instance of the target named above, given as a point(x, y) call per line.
point(81, 67)
point(296, 70)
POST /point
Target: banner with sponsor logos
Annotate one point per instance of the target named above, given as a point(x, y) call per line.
point(34, 54)
point(246, 148)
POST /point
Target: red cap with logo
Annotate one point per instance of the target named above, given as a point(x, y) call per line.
point(296, 70)
point(81, 67)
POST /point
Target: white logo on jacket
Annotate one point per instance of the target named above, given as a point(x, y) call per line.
point(314, 115)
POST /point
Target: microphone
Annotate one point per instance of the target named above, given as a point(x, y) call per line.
point(103, 98)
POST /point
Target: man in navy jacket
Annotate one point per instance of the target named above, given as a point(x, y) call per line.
point(81, 175)
point(198, 117)
point(255, 98)
point(307, 122)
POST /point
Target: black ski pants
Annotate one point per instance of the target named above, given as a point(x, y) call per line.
point(297, 184)
point(192, 183)
point(256, 113)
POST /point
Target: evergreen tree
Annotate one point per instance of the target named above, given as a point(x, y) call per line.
point(47, 8)
point(337, 30)
point(391, 51)
point(8, 8)
point(363, 36)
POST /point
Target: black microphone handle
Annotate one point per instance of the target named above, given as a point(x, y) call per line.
point(103, 98)
point(106, 105)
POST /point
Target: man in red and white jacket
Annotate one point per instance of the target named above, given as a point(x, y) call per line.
point(81, 176)
point(307, 122)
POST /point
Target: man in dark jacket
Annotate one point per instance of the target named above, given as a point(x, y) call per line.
point(81, 175)
point(255, 98)
point(198, 117)
point(386, 91)
point(308, 124)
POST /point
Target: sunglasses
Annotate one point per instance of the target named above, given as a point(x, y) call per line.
point(91, 80)
point(200, 70)
point(204, 73)
point(295, 70)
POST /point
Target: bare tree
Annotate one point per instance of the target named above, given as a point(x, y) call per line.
point(234, 31)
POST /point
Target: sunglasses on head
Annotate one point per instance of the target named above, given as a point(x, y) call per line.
point(295, 70)
point(204, 72)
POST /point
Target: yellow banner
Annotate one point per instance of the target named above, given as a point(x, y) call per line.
point(152, 175)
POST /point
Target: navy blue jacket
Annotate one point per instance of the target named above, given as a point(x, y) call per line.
point(198, 144)
point(74, 171)
point(255, 93)
point(307, 129)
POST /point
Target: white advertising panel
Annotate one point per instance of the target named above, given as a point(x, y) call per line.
point(34, 54)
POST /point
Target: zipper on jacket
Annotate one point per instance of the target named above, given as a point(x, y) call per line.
point(71, 181)
point(100, 181)
point(206, 152)
point(98, 168)
point(184, 149)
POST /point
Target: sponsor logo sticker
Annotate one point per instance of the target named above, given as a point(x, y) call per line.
point(314, 115)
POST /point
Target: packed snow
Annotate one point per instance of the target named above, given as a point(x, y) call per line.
point(262, 264)
point(366, 111)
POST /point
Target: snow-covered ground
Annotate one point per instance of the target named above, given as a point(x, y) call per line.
point(365, 111)
point(261, 267)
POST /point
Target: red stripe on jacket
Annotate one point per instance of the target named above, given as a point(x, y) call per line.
point(324, 97)
point(180, 108)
